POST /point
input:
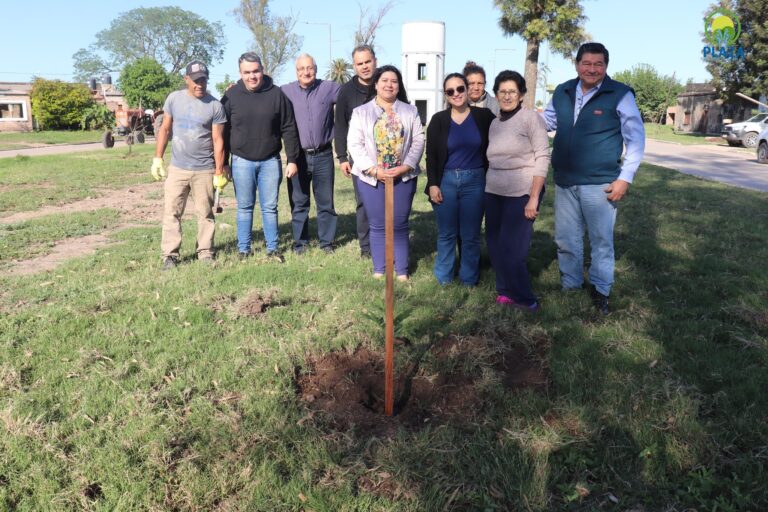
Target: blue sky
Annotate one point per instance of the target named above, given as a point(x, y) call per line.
point(665, 34)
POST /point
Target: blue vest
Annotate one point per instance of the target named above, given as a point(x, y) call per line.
point(588, 152)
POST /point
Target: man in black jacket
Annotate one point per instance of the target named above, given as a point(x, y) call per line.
point(258, 117)
point(351, 95)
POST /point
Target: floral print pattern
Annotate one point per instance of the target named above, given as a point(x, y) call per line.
point(389, 134)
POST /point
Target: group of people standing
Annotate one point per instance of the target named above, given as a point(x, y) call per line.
point(486, 157)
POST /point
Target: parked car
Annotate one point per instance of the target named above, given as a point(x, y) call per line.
point(762, 147)
point(745, 133)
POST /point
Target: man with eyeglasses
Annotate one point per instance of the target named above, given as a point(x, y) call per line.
point(595, 118)
point(259, 116)
point(478, 97)
point(313, 100)
point(351, 95)
point(197, 162)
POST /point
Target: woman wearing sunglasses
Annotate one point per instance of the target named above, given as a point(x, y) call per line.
point(457, 138)
point(386, 140)
point(518, 161)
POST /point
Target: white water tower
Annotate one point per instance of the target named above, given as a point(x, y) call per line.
point(424, 65)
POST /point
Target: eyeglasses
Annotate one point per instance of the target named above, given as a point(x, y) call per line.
point(305, 69)
point(459, 90)
point(511, 94)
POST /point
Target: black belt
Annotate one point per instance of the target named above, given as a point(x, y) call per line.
point(319, 149)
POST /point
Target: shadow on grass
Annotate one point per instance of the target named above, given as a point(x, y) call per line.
point(660, 405)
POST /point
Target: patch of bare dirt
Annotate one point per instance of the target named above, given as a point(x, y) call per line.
point(139, 205)
point(132, 203)
point(253, 304)
point(62, 251)
point(347, 390)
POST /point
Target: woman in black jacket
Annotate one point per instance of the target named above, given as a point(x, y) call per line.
point(457, 139)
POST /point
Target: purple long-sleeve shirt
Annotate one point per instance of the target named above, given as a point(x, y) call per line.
point(313, 109)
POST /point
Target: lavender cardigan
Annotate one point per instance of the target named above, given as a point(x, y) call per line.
point(362, 147)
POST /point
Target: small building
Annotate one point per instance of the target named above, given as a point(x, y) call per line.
point(109, 95)
point(15, 107)
point(699, 109)
point(16, 103)
point(423, 47)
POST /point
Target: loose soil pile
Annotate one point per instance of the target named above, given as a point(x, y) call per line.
point(347, 390)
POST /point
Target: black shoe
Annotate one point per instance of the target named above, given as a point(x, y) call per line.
point(328, 249)
point(600, 301)
point(276, 256)
point(243, 255)
point(365, 254)
point(298, 250)
point(169, 263)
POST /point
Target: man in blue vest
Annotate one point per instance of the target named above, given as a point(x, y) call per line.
point(595, 117)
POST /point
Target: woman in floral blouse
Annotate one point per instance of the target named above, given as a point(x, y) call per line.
point(386, 140)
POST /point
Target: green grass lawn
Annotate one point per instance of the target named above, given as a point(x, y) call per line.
point(667, 133)
point(126, 388)
point(33, 139)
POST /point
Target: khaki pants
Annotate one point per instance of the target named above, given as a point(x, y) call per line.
point(178, 186)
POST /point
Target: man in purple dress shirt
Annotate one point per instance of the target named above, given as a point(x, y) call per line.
point(313, 100)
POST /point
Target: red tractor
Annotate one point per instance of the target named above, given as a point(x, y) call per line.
point(134, 124)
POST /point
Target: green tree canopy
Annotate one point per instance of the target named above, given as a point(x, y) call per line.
point(653, 92)
point(745, 75)
point(273, 37)
point(559, 22)
point(59, 105)
point(224, 84)
point(144, 82)
point(168, 35)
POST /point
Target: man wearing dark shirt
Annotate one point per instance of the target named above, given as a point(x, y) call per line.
point(351, 95)
point(313, 100)
point(258, 117)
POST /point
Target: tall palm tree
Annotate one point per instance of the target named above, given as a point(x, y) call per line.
point(340, 71)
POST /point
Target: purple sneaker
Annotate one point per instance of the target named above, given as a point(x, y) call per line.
point(506, 301)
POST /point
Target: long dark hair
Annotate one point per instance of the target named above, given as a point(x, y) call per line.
point(401, 94)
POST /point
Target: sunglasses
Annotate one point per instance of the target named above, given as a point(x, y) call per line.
point(459, 90)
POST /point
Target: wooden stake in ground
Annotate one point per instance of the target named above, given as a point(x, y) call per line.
point(389, 298)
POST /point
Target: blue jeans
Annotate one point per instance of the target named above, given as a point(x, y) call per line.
point(317, 169)
point(577, 208)
point(248, 177)
point(460, 214)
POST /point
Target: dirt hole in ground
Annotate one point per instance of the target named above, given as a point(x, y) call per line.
point(446, 384)
point(253, 305)
point(93, 491)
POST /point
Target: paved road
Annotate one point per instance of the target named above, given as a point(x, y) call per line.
point(55, 149)
point(734, 166)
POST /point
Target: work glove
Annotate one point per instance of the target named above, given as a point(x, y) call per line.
point(158, 169)
point(219, 181)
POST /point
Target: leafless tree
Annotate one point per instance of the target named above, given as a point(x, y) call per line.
point(369, 23)
point(273, 36)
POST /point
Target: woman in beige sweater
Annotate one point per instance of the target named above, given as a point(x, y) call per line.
point(518, 161)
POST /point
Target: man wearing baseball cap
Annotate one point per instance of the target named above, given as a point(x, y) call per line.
point(197, 162)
